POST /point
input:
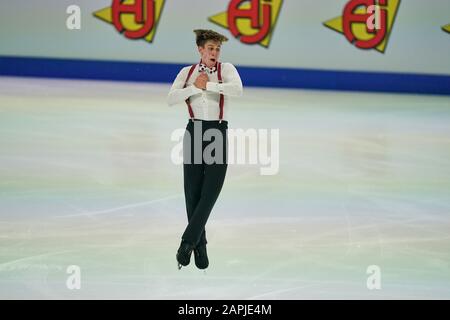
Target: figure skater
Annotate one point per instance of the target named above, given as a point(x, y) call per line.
point(205, 88)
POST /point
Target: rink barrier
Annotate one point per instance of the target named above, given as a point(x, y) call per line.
point(251, 76)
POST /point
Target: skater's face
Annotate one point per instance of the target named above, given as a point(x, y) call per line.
point(210, 53)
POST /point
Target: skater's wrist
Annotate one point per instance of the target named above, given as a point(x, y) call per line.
point(212, 86)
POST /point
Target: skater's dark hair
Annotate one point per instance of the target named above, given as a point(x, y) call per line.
point(205, 35)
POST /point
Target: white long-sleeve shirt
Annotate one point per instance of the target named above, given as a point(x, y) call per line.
point(205, 103)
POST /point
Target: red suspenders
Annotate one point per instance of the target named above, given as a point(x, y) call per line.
point(191, 113)
point(221, 97)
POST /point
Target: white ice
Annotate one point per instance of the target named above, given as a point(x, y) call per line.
point(86, 179)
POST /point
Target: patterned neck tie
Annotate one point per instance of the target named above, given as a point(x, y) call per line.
point(202, 67)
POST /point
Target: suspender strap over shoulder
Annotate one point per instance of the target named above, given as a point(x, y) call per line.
point(221, 98)
point(191, 113)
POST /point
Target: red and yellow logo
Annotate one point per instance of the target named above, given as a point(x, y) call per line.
point(366, 23)
point(250, 21)
point(135, 19)
point(446, 28)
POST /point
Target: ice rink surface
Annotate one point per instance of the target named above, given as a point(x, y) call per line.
point(86, 179)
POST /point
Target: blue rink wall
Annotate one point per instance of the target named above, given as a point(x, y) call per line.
point(251, 76)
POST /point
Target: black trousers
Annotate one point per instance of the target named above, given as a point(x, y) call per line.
point(204, 170)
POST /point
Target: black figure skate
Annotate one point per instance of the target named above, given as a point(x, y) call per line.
point(201, 256)
point(184, 254)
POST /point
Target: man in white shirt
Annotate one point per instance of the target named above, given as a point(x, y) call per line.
point(206, 89)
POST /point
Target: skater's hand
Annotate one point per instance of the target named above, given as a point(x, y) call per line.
point(201, 81)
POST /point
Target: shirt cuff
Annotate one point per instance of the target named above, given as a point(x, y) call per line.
point(195, 90)
point(212, 86)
